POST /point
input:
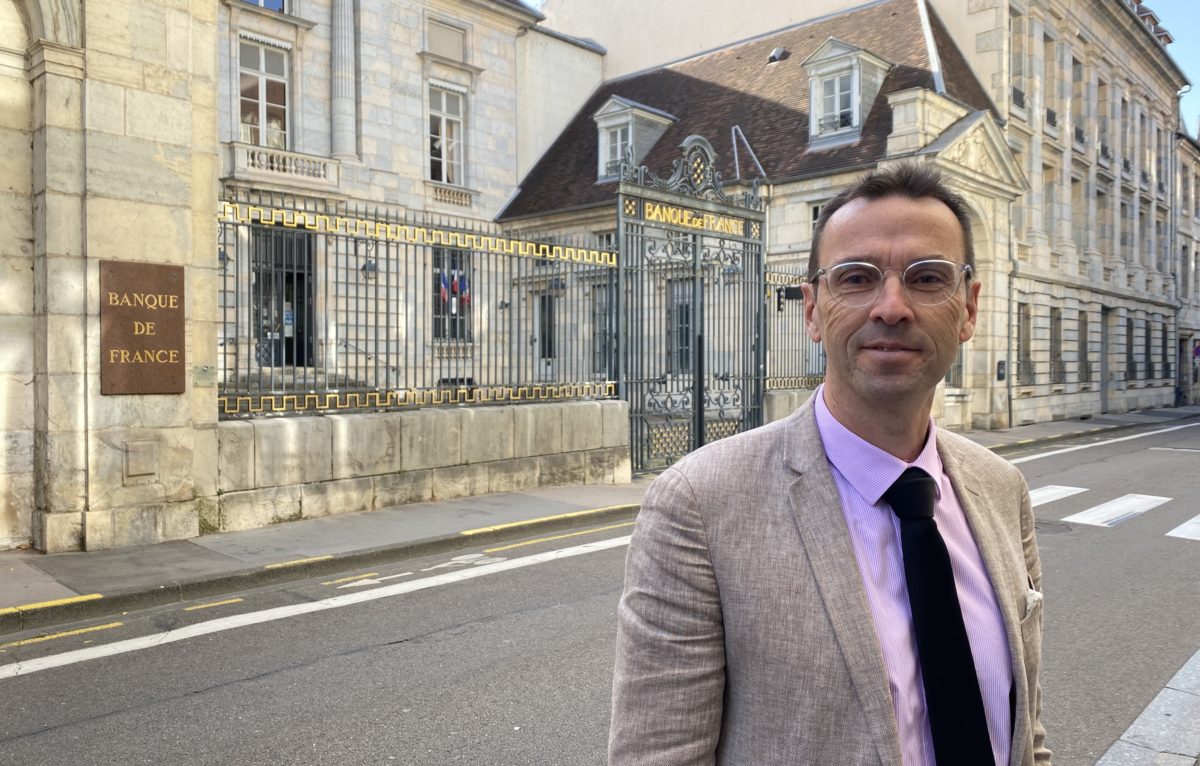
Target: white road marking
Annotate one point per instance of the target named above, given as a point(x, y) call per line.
point(1114, 512)
point(1065, 450)
point(279, 613)
point(372, 581)
point(1052, 492)
point(1175, 449)
point(1188, 530)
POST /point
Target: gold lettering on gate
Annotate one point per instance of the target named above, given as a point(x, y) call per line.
point(685, 218)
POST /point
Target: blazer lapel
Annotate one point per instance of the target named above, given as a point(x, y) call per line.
point(818, 511)
point(1006, 577)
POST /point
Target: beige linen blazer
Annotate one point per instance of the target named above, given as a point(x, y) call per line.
point(744, 635)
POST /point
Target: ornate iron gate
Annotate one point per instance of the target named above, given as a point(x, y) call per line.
point(691, 305)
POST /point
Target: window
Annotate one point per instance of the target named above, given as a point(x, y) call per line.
point(1085, 358)
point(1049, 183)
point(1058, 368)
point(1050, 80)
point(263, 75)
point(1130, 357)
point(679, 325)
point(547, 341)
point(1078, 99)
point(815, 213)
point(1024, 344)
point(446, 41)
point(1016, 35)
point(837, 111)
point(1079, 216)
point(270, 5)
point(281, 296)
point(954, 376)
point(446, 135)
point(1102, 113)
point(601, 339)
point(1147, 352)
point(1166, 352)
point(616, 145)
point(452, 280)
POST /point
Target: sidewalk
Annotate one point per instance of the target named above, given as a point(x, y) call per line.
point(37, 589)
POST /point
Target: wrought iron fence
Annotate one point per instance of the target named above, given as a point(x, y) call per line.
point(326, 308)
point(793, 359)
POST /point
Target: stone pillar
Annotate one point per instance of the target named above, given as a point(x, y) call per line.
point(344, 132)
point(60, 298)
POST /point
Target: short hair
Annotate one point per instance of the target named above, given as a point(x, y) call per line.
point(907, 179)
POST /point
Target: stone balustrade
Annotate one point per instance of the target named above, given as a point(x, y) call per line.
point(260, 163)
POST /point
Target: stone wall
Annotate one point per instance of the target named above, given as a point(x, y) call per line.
point(272, 470)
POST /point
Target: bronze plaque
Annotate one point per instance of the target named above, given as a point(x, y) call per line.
point(141, 329)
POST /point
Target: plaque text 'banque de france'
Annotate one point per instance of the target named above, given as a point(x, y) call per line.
point(141, 328)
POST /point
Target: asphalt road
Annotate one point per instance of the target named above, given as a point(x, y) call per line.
point(512, 666)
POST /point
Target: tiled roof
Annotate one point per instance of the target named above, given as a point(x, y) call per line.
point(712, 92)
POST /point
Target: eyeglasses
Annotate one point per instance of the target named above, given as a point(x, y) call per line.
point(927, 283)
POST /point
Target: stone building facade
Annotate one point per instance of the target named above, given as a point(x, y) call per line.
point(109, 133)
point(1090, 313)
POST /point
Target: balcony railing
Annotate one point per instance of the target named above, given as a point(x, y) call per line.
point(836, 122)
point(259, 163)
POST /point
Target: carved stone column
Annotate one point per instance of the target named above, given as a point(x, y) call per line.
point(344, 127)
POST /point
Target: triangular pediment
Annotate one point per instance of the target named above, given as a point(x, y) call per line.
point(616, 105)
point(975, 147)
point(831, 49)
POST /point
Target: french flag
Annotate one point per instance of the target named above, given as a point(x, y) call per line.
point(464, 291)
point(445, 291)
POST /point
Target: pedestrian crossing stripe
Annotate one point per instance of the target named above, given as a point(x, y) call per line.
point(1188, 530)
point(1116, 511)
point(1050, 493)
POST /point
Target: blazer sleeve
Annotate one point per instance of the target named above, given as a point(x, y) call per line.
point(1033, 567)
point(669, 677)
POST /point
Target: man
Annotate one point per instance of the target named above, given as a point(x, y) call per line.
point(774, 611)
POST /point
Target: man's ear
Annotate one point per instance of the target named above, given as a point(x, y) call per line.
point(970, 312)
point(812, 319)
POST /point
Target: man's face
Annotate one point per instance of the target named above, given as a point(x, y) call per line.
point(890, 354)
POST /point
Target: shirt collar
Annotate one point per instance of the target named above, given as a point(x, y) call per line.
point(869, 469)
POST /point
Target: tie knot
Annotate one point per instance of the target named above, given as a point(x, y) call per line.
point(912, 495)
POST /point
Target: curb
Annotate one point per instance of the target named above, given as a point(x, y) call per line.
point(31, 616)
point(1073, 435)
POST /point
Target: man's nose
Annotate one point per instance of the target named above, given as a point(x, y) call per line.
point(892, 303)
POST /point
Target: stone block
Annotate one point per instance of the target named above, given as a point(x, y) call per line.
point(119, 70)
point(121, 230)
point(105, 107)
point(158, 118)
point(583, 426)
point(430, 438)
point(68, 349)
point(622, 467)
point(292, 451)
point(259, 508)
point(487, 434)
point(600, 465)
point(18, 160)
point(235, 455)
point(61, 167)
point(63, 488)
point(537, 430)
point(137, 169)
point(178, 521)
point(365, 444)
point(513, 475)
point(59, 223)
point(204, 459)
point(460, 481)
point(138, 466)
point(562, 469)
point(329, 498)
point(403, 488)
point(16, 338)
point(57, 532)
point(615, 423)
point(98, 530)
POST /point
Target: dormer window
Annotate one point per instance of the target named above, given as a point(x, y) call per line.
point(843, 83)
point(837, 110)
point(616, 140)
point(626, 129)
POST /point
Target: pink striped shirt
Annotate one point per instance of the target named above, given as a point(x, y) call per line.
point(863, 472)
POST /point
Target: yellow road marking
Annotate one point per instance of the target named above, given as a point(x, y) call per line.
point(64, 634)
point(350, 579)
point(558, 537)
point(226, 602)
point(46, 604)
point(545, 519)
point(297, 562)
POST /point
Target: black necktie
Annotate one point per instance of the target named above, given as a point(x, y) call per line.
point(952, 697)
